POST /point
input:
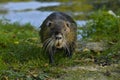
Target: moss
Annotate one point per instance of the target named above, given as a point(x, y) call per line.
point(21, 56)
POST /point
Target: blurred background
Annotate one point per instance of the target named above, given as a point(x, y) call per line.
point(35, 11)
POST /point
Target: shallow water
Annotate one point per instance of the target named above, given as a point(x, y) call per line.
point(26, 12)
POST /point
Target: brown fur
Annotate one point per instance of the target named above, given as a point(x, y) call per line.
point(58, 31)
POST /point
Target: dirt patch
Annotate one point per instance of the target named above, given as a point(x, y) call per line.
point(92, 72)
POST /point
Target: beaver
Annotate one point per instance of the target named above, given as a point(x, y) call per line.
point(58, 32)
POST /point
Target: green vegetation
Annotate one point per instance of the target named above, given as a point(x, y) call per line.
point(19, 49)
point(104, 28)
point(21, 56)
point(82, 8)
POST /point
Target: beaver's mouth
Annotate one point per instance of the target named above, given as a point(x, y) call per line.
point(58, 40)
point(58, 43)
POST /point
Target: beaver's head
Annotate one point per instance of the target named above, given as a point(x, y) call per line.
point(58, 30)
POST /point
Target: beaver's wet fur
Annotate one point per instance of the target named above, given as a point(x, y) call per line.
point(58, 31)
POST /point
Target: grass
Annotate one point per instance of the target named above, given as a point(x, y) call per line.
point(21, 58)
point(105, 28)
point(19, 47)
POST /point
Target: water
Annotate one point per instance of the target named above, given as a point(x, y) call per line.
point(26, 12)
point(12, 6)
point(35, 18)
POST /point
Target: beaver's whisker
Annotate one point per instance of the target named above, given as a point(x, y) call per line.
point(46, 43)
point(50, 44)
point(45, 46)
point(66, 47)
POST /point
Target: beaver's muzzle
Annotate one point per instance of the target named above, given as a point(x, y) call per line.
point(58, 37)
point(58, 41)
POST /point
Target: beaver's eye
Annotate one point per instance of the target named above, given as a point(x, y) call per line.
point(49, 23)
point(68, 24)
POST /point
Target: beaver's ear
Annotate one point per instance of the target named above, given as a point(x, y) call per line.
point(49, 23)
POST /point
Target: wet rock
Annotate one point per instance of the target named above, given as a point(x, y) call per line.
point(91, 46)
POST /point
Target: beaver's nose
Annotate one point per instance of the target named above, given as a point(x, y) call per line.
point(58, 37)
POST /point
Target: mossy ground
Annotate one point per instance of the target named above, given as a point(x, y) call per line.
point(21, 58)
